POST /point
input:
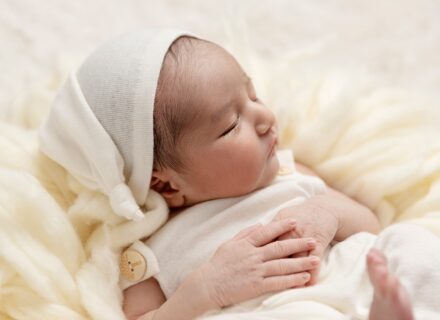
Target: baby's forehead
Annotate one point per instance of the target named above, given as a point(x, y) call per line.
point(214, 79)
point(209, 62)
point(202, 81)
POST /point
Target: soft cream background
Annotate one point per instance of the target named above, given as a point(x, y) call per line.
point(398, 40)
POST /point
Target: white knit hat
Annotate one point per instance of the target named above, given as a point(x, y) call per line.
point(100, 127)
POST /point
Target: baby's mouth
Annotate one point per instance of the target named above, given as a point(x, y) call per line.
point(272, 146)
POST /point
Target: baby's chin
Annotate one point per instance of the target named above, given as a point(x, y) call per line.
point(267, 175)
point(272, 170)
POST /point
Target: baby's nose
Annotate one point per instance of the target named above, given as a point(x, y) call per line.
point(265, 122)
point(262, 128)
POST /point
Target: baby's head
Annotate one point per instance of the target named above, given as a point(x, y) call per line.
point(160, 109)
point(213, 137)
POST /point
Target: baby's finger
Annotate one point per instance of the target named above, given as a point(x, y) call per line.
point(315, 272)
point(285, 248)
point(313, 276)
point(270, 231)
point(318, 250)
point(289, 235)
point(289, 266)
point(301, 254)
point(246, 231)
point(278, 283)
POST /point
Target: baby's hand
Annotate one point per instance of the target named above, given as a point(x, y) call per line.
point(252, 264)
point(313, 221)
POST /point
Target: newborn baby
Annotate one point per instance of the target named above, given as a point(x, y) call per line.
point(214, 140)
point(220, 142)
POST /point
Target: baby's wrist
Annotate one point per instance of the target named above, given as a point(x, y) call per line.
point(206, 291)
point(190, 300)
point(327, 203)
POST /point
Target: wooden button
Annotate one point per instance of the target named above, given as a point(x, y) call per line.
point(284, 171)
point(132, 265)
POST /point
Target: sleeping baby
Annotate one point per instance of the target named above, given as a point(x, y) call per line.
point(177, 116)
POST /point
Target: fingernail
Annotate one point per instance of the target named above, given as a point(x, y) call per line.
point(315, 260)
point(306, 276)
point(292, 222)
point(311, 243)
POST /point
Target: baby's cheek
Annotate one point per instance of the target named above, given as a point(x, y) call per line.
point(251, 170)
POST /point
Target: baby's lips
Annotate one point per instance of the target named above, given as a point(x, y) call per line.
point(272, 145)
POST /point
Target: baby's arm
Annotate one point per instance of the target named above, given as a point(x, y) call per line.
point(326, 217)
point(353, 217)
point(143, 300)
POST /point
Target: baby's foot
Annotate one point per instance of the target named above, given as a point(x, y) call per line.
point(391, 301)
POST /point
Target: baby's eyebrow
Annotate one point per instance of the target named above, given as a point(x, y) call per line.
point(217, 114)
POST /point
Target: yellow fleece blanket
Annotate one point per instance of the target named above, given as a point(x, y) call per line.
point(58, 256)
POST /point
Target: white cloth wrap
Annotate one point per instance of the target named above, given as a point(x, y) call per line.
point(100, 127)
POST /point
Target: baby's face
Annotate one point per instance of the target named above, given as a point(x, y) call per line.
point(230, 148)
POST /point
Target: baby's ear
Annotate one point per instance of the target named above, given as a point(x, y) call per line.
point(156, 183)
point(162, 183)
point(159, 180)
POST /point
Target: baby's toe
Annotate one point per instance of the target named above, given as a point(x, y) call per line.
point(383, 281)
point(380, 256)
point(400, 299)
point(394, 288)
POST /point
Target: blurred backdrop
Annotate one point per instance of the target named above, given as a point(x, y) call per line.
point(399, 41)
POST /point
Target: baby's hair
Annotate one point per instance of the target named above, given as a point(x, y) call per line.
point(172, 103)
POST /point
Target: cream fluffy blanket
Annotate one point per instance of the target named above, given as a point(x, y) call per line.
point(58, 253)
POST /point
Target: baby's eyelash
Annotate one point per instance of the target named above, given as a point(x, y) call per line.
point(232, 127)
